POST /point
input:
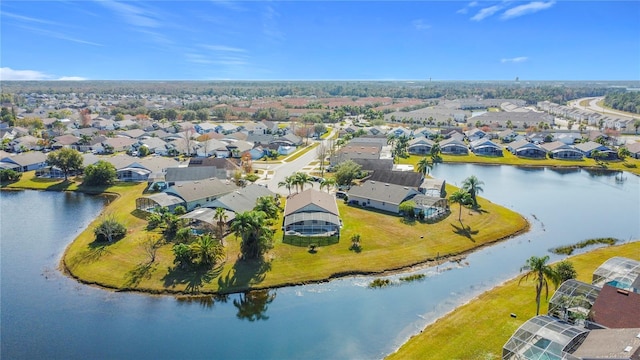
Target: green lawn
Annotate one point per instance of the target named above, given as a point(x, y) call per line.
point(629, 164)
point(479, 329)
point(389, 245)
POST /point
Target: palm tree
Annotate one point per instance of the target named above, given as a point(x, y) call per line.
point(267, 205)
point(542, 272)
point(256, 237)
point(288, 183)
point(424, 166)
point(328, 183)
point(221, 220)
point(206, 251)
point(435, 153)
point(301, 179)
point(473, 186)
point(461, 197)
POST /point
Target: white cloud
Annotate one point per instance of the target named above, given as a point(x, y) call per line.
point(28, 19)
point(133, 15)
point(223, 48)
point(529, 8)
point(8, 74)
point(518, 59)
point(465, 9)
point(420, 25)
point(486, 12)
point(72, 78)
point(58, 35)
point(231, 5)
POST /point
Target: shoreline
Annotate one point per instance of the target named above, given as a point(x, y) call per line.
point(416, 266)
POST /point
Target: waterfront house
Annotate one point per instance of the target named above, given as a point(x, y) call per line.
point(201, 193)
point(453, 146)
point(559, 150)
point(524, 148)
point(311, 216)
point(26, 161)
point(485, 147)
point(589, 147)
point(381, 196)
point(420, 146)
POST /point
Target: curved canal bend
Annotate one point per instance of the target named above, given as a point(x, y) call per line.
point(45, 314)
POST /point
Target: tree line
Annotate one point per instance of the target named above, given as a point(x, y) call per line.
point(624, 101)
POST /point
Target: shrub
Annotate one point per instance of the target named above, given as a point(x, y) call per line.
point(379, 283)
point(110, 230)
point(9, 175)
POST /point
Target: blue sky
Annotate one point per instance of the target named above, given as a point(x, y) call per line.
point(320, 40)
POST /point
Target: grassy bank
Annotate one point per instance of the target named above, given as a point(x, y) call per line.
point(390, 244)
point(629, 164)
point(479, 329)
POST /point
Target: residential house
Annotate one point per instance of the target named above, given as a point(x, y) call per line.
point(567, 138)
point(381, 196)
point(433, 187)
point(453, 146)
point(559, 150)
point(179, 175)
point(66, 141)
point(26, 161)
point(239, 147)
point(205, 127)
point(616, 307)
point(133, 133)
point(311, 216)
point(485, 147)
point(227, 128)
point(420, 146)
point(260, 139)
point(241, 200)
point(507, 135)
point(155, 145)
point(610, 344)
point(524, 148)
point(213, 147)
point(223, 164)
point(474, 134)
point(404, 178)
point(270, 127)
point(634, 149)
point(255, 128)
point(350, 152)
point(201, 193)
point(117, 144)
point(25, 143)
point(589, 147)
point(375, 164)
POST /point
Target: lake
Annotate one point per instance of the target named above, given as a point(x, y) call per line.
point(47, 315)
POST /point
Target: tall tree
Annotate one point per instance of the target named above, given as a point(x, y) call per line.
point(542, 274)
point(100, 173)
point(460, 197)
point(424, 165)
point(301, 179)
point(221, 220)
point(206, 251)
point(473, 186)
point(66, 160)
point(288, 183)
point(256, 237)
point(267, 205)
point(328, 183)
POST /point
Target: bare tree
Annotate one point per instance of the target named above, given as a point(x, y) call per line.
point(321, 153)
point(150, 246)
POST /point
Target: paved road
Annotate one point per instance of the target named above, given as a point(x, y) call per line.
point(593, 106)
point(277, 172)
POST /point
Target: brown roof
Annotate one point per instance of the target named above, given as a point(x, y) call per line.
point(321, 199)
point(616, 308)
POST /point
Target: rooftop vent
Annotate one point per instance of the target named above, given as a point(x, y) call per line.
point(628, 348)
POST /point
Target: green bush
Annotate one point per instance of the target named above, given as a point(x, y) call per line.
point(109, 230)
point(9, 175)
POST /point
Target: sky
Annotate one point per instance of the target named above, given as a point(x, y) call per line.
point(319, 40)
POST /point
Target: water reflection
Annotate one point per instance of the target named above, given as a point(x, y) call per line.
point(205, 301)
point(252, 305)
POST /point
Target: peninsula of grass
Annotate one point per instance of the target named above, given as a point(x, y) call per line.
point(628, 164)
point(479, 329)
point(392, 244)
point(568, 249)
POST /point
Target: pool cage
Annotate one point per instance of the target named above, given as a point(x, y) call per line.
point(544, 337)
point(620, 272)
point(573, 300)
